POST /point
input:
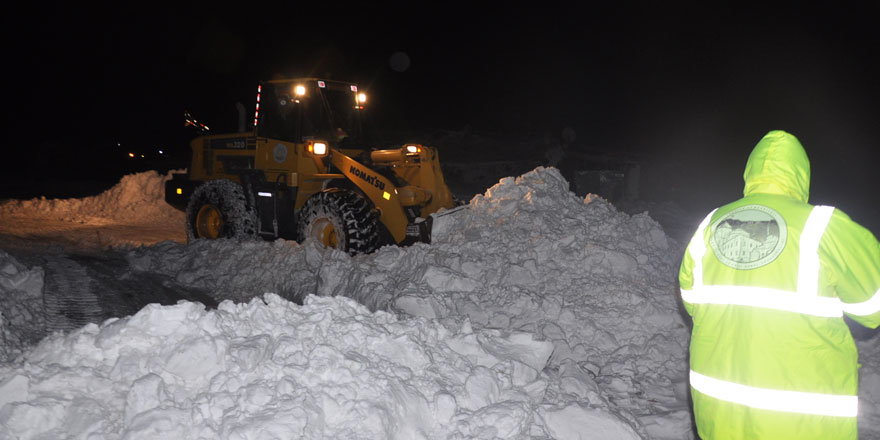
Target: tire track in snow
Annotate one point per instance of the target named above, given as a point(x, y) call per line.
point(81, 289)
point(68, 295)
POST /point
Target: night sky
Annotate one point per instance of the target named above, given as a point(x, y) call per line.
point(694, 84)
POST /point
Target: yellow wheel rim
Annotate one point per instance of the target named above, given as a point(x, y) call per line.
point(209, 222)
point(324, 231)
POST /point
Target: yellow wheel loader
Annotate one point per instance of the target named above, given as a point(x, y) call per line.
point(305, 171)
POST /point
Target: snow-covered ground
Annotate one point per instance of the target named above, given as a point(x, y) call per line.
point(534, 313)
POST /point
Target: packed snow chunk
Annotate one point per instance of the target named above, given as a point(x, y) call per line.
point(15, 276)
point(145, 393)
point(326, 369)
point(443, 222)
point(13, 389)
point(673, 426)
point(414, 305)
point(32, 418)
point(575, 422)
point(447, 280)
point(519, 346)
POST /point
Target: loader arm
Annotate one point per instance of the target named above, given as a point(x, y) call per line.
point(378, 189)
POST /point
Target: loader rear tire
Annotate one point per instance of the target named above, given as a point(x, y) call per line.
point(340, 219)
point(220, 209)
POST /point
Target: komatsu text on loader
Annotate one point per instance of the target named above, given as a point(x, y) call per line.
point(305, 171)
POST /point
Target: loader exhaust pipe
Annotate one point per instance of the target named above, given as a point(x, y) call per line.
point(241, 117)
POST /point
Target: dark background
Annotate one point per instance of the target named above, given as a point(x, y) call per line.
point(692, 85)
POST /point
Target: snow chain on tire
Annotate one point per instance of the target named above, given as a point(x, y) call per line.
point(220, 209)
point(341, 219)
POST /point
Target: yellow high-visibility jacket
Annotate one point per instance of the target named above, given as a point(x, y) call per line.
point(767, 280)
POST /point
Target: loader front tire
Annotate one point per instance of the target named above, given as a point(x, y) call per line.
point(340, 219)
point(219, 209)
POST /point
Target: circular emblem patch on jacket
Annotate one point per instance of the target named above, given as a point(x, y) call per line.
point(748, 237)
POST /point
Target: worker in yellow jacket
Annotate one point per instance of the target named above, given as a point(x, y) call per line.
point(767, 280)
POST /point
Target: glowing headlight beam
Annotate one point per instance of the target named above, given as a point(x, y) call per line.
point(318, 148)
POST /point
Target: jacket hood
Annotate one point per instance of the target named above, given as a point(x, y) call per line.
point(778, 165)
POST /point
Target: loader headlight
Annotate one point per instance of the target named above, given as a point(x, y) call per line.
point(300, 90)
point(413, 149)
point(362, 98)
point(318, 148)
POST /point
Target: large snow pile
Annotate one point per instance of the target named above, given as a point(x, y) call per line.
point(131, 213)
point(272, 369)
point(137, 197)
point(533, 313)
point(528, 255)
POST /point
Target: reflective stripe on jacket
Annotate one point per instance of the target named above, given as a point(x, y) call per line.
point(767, 280)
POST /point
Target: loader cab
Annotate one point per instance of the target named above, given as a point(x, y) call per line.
point(299, 110)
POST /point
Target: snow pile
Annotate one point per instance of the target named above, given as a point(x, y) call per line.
point(22, 316)
point(534, 313)
point(529, 256)
point(272, 369)
point(135, 199)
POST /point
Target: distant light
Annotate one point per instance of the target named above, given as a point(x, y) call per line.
point(161, 152)
point(179, 191)
point(130, 154)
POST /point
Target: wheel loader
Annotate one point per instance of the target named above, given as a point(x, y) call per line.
point(305, 170)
